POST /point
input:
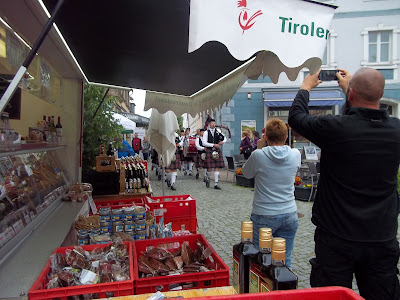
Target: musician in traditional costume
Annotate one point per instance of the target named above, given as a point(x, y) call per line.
point(188, 160)
point(181, 140)
point(201, 154)
point(172, 169)
point(212, 140)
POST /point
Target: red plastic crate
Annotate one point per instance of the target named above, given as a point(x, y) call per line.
point(217, 278)
point(324, 293)
point(121, 202)
point(178, 209)
point(120, 288)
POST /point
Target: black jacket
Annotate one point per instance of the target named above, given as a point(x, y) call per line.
point(357, 192)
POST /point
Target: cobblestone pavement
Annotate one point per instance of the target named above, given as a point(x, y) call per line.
point(219, 216)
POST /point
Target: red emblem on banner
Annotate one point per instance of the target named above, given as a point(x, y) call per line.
point(245, 23)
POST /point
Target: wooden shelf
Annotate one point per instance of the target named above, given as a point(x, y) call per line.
point(31, 150)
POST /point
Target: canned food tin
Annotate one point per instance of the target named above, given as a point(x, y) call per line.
point(140, 225)
point(105, 214)
point(105, 227)
point(129, 226)
point(83, 238)
point(129, 212)
point(140, 213)
point(117, 214)
point(118, 226)
point(141, 235)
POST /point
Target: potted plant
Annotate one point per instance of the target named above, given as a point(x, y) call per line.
point(243, 181)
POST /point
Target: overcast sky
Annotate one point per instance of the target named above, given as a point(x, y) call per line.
point(139, 96)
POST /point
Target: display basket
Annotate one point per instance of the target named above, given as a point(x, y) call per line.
point(119, 288)
point(217, 278)
point(325, 293)
point(178, 209)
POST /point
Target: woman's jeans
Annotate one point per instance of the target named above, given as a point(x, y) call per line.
point(284, 226)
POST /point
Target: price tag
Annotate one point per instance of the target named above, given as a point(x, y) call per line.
point(159, 212)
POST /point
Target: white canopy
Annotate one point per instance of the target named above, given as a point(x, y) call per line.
point(124, 121)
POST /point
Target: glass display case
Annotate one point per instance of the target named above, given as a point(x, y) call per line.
point(29, 183)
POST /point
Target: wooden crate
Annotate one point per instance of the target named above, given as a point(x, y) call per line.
point(105, 163)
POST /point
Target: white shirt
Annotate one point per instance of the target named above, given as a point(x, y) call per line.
point(205, 137)
point(197, 143)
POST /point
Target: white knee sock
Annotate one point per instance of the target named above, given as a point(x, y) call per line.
point(205, 172)
point(190, 166)
point(168, 176)
point(173, 178)
point(216, 174)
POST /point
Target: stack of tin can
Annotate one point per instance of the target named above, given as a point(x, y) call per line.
point(131, 220)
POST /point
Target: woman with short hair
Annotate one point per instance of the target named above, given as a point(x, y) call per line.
point(245, 144)
point(274, 169)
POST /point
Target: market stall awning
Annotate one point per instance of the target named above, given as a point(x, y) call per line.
point(317, 98)
point(138, 44)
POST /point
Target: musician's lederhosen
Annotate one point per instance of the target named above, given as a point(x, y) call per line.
point(176, 164)
point(209, 162)
point(199, 161)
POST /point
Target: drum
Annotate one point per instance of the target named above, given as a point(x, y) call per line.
point(189, 147)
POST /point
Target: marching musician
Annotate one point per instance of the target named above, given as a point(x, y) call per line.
point(213, 140)
point(188, 159)
point(181, 140)
point(172, 169)
point(200, 150)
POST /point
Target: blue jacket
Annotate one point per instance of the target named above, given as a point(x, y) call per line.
point(126, 150)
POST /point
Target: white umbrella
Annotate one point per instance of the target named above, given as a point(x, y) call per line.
point(124, 121)
point(161, 135)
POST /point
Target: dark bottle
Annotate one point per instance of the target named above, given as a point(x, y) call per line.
point(242, 253)
point(280, 276)
point(59, 127)
point(261, 263)
point(45, 128)
point(110, 150)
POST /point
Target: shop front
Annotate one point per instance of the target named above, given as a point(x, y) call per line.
point(323, 102)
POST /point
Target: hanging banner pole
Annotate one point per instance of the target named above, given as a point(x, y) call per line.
point(12, 87)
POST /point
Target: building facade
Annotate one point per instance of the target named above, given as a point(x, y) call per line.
point(364, 33)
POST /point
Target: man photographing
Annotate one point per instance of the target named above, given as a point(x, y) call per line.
point(356, 206)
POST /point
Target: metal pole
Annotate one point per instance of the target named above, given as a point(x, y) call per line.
point(163, 176)
point(21, 71)
point(101, 102)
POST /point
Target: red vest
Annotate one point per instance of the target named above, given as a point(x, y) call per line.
point(136, 144)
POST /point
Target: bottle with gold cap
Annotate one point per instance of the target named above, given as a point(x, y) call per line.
point(242, 254)
point(261, 263)
point(280, 276)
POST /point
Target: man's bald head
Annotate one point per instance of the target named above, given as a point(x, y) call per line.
point(368, 85)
